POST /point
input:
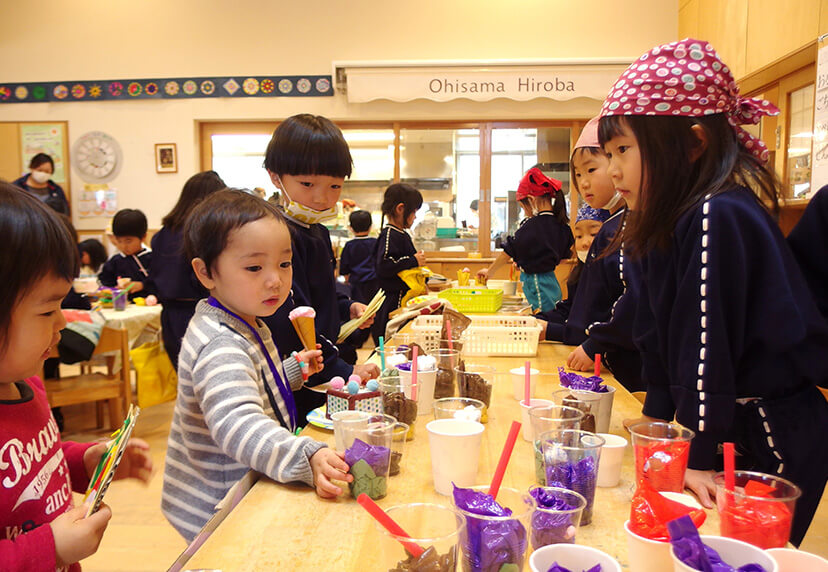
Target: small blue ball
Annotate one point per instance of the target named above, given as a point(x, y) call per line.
point(372, 385)
point(353, 387)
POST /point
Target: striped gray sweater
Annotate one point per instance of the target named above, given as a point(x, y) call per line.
point(224, 424)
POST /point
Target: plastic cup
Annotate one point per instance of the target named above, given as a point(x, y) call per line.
point(398, 439)
point(394, 356)
point(790, 560)
point(426, 381)
point(612, 455)
point(513, 530)
point(734, 552)
point(475, 381)
point(572, 556)
point(647, 555)
point(433, 527)
point(570, 461)
point(587, 401)
point(661, 451)
point(526, 422)
point(549, 418)
point(119, 299)
point(557, 525)
point(397, 402)
point(370, 471)
point(341, 419)
point(764, 521)
point(518, 375)
point(447, 360)
point(455, 452)
point(458, 408)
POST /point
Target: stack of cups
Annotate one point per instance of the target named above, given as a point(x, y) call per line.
point(661, 452)
point(397, 402)
point(368, 454)
point(435, 528)
point(570, 461)
point(550, 418)
point(455, 452)
point(476, 381)
point(343, 422)
point(446, 360)
point(588, 402)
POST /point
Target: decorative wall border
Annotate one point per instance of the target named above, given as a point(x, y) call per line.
point(167, 88)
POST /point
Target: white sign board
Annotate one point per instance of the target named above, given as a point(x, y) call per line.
point(819, 157)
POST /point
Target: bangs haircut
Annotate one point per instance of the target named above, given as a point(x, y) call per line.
point(403, 193)
point(210, 223)
point(195, 189)
point(308, 145)
point(579, 152)
point(37, 243)
point(672, 183)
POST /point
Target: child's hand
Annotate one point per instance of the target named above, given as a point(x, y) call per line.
point(357, 310)
point(543, 324)
point(136, 287)
point(77, 537)
point(327, 464)
point(421, 258)
point(579, 360)
point(483, 275)
point(702, 485)
point(313, 358)
point(367, 371)
point(135, 464)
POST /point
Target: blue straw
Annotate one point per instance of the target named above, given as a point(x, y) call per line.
point(382, 352)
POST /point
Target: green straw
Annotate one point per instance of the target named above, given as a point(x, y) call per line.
point(382, 352)
point(122, 292)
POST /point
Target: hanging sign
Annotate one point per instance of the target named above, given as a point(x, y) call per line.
point(819, 160)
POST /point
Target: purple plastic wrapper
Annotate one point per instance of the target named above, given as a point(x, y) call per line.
point(547, 527)
point(489, 545)
point(579, 382)
point(558, 568)
point(689, 548)
point(376, 456)
point(579, 476)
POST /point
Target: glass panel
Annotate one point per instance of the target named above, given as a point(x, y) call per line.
point(515, 151)
point(799, 141)
point(238, 160)
point(444, 165)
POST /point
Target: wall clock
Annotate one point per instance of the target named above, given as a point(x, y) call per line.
point(97, 157)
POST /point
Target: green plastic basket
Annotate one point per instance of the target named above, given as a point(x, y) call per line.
point(474, 300)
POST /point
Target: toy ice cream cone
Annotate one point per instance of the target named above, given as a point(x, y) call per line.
point(302, 318)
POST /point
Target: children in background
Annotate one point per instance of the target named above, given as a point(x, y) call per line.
point(357, 265)
point(395, 249)
point(93, 255)
point(731, 340)
point(235, 409)
point(129, 267)
point(540, 243)
point(43, 531)
point(176, 286)
point(308, 159)
point(809, 242)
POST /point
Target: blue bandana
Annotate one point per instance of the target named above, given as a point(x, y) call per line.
point(586, 212)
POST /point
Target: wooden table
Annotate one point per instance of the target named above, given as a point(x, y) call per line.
point(280, 527)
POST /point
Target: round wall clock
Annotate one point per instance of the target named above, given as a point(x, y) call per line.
point(97, 157)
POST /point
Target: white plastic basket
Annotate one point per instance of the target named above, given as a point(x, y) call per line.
point(486, 335)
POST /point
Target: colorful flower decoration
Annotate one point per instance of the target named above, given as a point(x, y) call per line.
point(231, 86)
point(134, 89)
point(116, 88)
point(60, 91)
point(5, 92)
point(190, 87)
point(267, 86)
point(39, 92)
point(323, 84)
point(21, 92)
point(171, 88)
point(208, 87)
point(285, 86)
point(251, 86)
point(78, 91)
point(303, 85)
point(151, 88)
point(95, 91)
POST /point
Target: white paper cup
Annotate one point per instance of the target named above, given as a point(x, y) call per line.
point(455, 452)
point(343, 419)
point(572, 556)
point(425, 389)
point(519, 382)
point(790, 560)
point(526, 429)
point(735, 553)
point(612, 455)
point(645, 555)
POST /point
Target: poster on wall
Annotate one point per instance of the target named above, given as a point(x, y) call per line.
point(44, 138)
point(98, 200)
point(819, 160)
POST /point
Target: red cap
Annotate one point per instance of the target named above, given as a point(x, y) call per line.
point(535, 184)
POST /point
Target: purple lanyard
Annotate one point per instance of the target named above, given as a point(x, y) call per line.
point(284, 390)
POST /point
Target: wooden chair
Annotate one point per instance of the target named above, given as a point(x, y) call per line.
point(114, 388)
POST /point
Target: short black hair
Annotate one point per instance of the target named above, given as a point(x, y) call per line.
point(36, 243)
point(401, 193)
point(308, 145)
point(210, 223)
point(129, 222)
point(96, 251)
point(360, 221)
point(40, 159)
point(195, 189)
point(474, 205)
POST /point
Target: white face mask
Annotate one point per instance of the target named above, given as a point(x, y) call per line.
point(582, 255)
point(40, 177)
point(305, 214)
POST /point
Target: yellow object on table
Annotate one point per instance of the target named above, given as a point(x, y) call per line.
point(244, 541)
point(415, 279)
point(463, 277)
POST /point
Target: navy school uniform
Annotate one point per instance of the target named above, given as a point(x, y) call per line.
point(176, 286)
point(395, 253)
point(537, 247)
point(136, 267)
point(733, 345)
point(314, 285)
point(809, 243)
point(357, 261)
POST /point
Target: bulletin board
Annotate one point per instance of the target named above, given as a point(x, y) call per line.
point(20, 141)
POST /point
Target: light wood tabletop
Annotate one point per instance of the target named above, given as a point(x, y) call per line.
point(285, 527)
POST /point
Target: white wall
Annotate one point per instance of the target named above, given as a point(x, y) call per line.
point(43, 40)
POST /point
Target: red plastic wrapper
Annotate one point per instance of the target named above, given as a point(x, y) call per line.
point(651, 511)
point(763, 523)
point(662, 464)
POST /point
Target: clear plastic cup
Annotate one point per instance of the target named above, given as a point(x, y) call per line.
point(557, 525)
point(490, 542)
point(432, 527)
point(587, 401)
point(573, 557)
point(368, 454)
point(763, 517)
point(447, 360)
point(458, 408)
point(397, 402)
point(454, 446)
point(570, 461)
point(119, 299)
point(342, 419)
point(476, 381)
point(398, 439)
point(518, 375)
point(394, 356)
point(526, 422)
point(661, 452)
point(549, 418)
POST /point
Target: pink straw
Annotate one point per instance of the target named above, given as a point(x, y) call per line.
point(504, 459)
point(414, 352)
point(597, 365)
point(729, 466)
point(388, 524)
point(448, 333)
point(527, 398)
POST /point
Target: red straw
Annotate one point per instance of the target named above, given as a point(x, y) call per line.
point(448, 333)
point(597, 365)
point(388, 524)
point(414, 352)
point(729, 466)
point(527, 398)
point(504, 459)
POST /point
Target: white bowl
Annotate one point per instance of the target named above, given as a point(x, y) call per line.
point(572, 556)
point(790, 560)
point(735, 553)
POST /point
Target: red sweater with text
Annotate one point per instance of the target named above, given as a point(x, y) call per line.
point(37, 476)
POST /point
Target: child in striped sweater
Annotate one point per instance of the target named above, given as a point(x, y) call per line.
point(235, 409)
